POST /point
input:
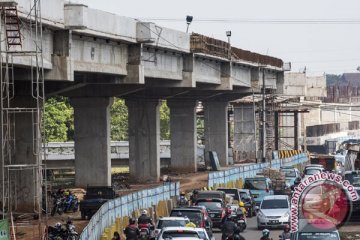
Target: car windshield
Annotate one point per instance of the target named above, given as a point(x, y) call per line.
point(353, 178)
point(172, 223)
point(230, 192)
point(318, 236)
point(210, 205)
point(312, 171)
point(244, 195)
point(202, 235)
point(179, 233)
point(255, 184)
point(274, 204)
point(209, 195)
point(194, 216)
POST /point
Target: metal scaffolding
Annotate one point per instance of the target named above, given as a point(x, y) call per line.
point(15, 31)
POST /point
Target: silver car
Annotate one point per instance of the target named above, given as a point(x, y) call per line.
point(274, 212)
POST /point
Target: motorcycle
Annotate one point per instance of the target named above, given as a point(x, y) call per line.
point(281, 238)
point(145, 230)
point(240, 219)
point(71, 234)
point(55, 233)
point(72, 203)
point(58, 205)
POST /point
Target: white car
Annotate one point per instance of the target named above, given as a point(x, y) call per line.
point(169, 222)
point(179, 233)
point(309, 171)
point(274, 212)
point(202, 233)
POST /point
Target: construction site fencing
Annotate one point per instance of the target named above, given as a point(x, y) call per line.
point(125, 205)
point(233, 175)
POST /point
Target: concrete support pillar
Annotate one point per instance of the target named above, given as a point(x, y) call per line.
point(144, 139)
point(216, 130)
point(183, 135)
point(244, 134)
point(25, 185)
point(92, 141)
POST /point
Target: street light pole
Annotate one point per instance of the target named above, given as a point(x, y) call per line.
point(263, 118)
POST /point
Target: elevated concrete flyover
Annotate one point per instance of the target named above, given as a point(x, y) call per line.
point(91, 61)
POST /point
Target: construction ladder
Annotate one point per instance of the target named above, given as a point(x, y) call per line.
point(12, 26)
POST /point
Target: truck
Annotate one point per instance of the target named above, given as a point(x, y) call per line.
point(94, 198)
point(327, 161)
point(352, 158)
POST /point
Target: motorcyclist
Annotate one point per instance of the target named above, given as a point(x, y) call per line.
point(145, 219)
point(265, 235)
point(132, 231)
point(297, 181)
point(237, 235)
point(194, 196)
point(286, 234)
point(242, 207)
point(145, 222)
point(183, 201)
point(228, 226)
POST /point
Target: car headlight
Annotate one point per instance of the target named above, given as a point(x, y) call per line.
point(261, 215)
point(287, 215)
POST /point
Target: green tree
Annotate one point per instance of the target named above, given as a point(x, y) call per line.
point(119, 120)
point(58, 117)
point(164, 121)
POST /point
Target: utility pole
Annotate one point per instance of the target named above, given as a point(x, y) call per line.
point(263, 118)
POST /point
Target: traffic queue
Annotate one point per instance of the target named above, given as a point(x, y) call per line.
point(202, 214)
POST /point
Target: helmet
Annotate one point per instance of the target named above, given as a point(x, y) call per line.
point(58, 225)
point(179, 214)
point(66, 193)
point(286, 227)
point(132, 221)
point(144, 212)
point(228, 211)
point(241, 204)
point(265, 233)
point(182, 194)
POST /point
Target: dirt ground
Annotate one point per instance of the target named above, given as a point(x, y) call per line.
point(29, 229)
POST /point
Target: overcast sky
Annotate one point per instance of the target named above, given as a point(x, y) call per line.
point(329, 48)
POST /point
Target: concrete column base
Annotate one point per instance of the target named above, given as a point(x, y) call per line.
point(92, 141)
point(216, 130)
point(183, 135)
point(144, 139)
point(244, 134)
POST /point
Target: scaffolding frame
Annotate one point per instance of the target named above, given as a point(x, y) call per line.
point(13, 39)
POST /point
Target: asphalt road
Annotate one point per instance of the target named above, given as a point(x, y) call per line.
point(251, 232)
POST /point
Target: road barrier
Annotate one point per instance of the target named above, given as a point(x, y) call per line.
point(114, 214)
point(233, 177)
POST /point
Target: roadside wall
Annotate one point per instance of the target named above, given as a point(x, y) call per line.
point(114, 214)
point(234, 177)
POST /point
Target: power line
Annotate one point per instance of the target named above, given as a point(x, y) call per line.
point(263, 21)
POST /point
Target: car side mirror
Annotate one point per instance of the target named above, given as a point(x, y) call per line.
point(257, 208)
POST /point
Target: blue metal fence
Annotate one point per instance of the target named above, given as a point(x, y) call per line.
point(233, 174)
point(124, 206)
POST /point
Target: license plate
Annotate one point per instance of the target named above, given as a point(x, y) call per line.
point(241, 221)
point(142, 233)
point(273, 221)
point(212, 215)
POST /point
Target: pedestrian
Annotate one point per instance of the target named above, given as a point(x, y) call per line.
point(116, 236)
